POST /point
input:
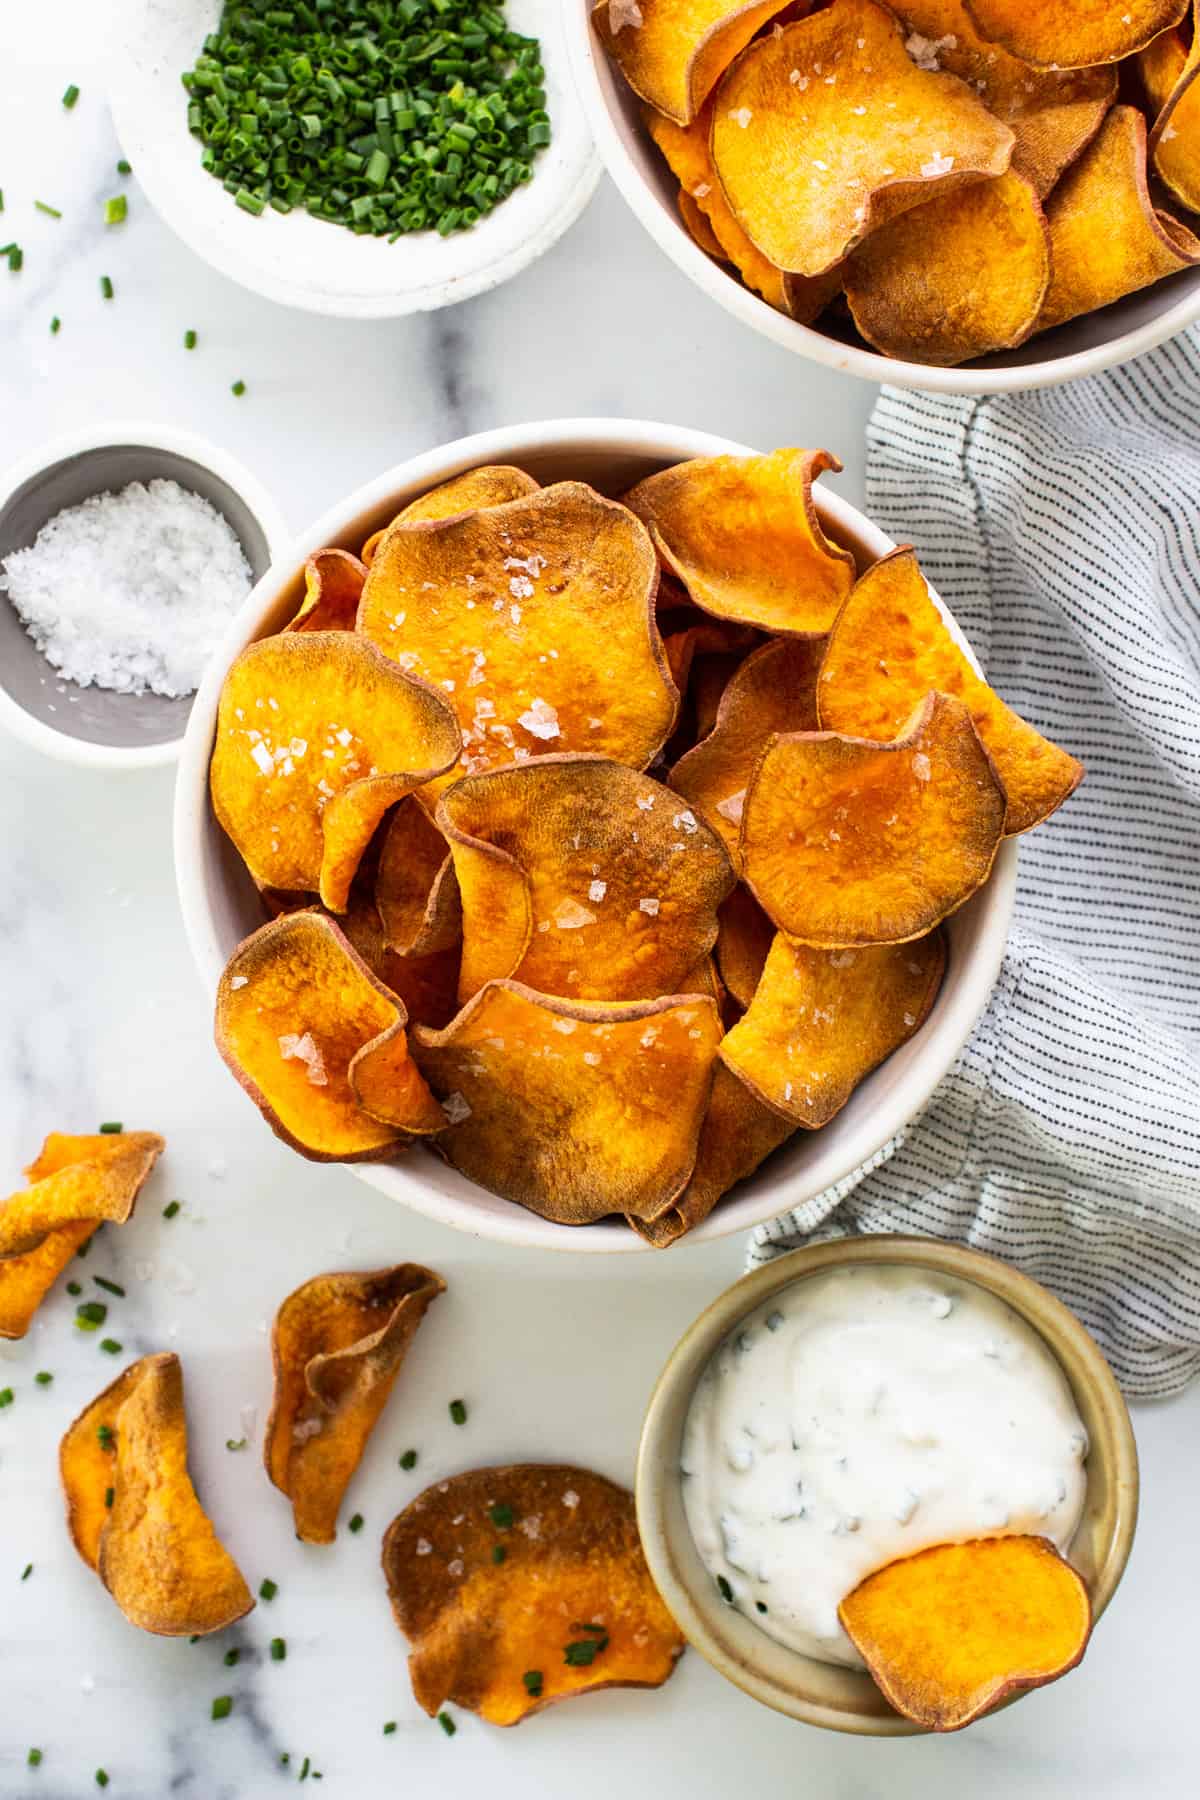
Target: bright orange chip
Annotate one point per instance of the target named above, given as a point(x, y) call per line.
point(890, 647)
point(958, 278)
point(294, 1006)
point(490, 485)
point(336, 1347)
point(952, 1632)
point(77, 1183)
point(673, 52)
point(573, 1110)
point(568, 1608)
point(774, 690)
point(825, 130)
point(1072, 34)
point(1107, 238)
point(821, 1020)
point(1168, 68)
point(537, 619)
point(415, 888)
point(132, 1511)
point(699, 226)
point(743, 535)
point(848, 841)
point(333, 585)
point(583, 878)
point(1054, 112)
point(317, 736)
point(744, 936)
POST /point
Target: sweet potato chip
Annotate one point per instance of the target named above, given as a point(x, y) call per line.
point(704, 636)
point(333, 585)
point(537, 618)
point(1053, 112)
point(821, 1020)
point(415, 887)
point(673, 52)
point(77, 1183)
point(1169, 67)
point(87, 1459)
point(958, 278)
point(568, 1608)
point(1072, 34)
point(294, 1006)
point(825, 130)
point(773, 690)
point(890, 647)
point(744, 936)
point(318, 734)
point(738, 1134)
point(573, 1110)
point(952, 1632)
point(427, 984)
point(490, 485)
point(336, 1347)
point(743, 535)
point(1107, 238)
point(848, 841)
point(581, 877)
point(699, 226)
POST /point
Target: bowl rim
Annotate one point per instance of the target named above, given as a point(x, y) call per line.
point(111, 435)
point(1069, 1342)
point(803, 340)
point(193, 822)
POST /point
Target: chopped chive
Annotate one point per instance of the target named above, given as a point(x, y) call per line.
point(235, 1443)
point(111, 1126)
point(85, 1248)
point(278, 1650)
point(115, 210)
point(101, 1774)
point(73, 1287)
point(16, 259)
point(249, 202)
point(498, 1553)
point(170, 1209)
point(447, 1724)
point(105, 1436)
point(195, 1638)
point(68, 100)
point(106, 288)
point(91, 1315)
point(110, 1495)
point(582, 1653)
point(238, 388)
point(501, 1517)
point(51, 212)
point(304, 1768)
point(724, 1589)
point(6, 1396)
point(458, 1412)
point(389, 1728)
point(222, 1706)
point(356, 1523)
point(533, 1682)
point(110, 1287)
point(189, 343)
point(124, 168)
point(55, 325)
point(1, 199)
point(761, 1605)
point(27, 1571)
point(284, 1759)
point(268, 1590)
point(43, 1378)
point(409, 1460)
point(34, 1758)
point(231, 1658)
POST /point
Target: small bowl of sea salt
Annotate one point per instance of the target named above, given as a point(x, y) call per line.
point(124, 554)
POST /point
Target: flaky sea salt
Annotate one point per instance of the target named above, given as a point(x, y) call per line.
point(130, 591)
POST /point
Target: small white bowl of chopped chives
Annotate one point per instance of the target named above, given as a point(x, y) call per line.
point(124, 553)
point(360, 158)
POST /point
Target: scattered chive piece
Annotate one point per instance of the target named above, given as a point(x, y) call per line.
point(222, 1706)
point(124, 168)
point(238, 388)
point(115, 210)
point(356, 1523)
point(109, 1497)
point(73, 1287)
point(111, 1125)
point(278, 1650)
point(6, 1396)
point(389, 1728)
point(110, 1287)
point(27, 1571)
point(55, 325)
point(189, 340)
point(106, 288)
point(90, 1315)
point(235, 1443)
point(170, 1209)
point(284, 1759)
point(533, 1682)
point(195, 1639)
point(498, 1553)
point(68, 100)
point(409, 1460)
point(501, 1517)
point(34, 1758)
point(458, 1412)
point(268, 1590)
point(16, 259)
point(105, 1435)
point(101, 1774)
point(43, 1378)
point(304, 1767)
point(761, 1605)
point(583, 1652)
point(724, 1589)
point(51, 212)
point(1, 199)
point(85, 1248)
point(231, 1657)
point(447, 1724)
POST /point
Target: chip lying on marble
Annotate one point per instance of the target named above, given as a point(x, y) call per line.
point(336, 1347)
point(76, 1184)
point(132, 1511)
point(520, 1586)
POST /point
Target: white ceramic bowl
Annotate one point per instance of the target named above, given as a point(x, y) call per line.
point(1082, 347)
point(91, 726)
point(309, 263)
point(220, 905)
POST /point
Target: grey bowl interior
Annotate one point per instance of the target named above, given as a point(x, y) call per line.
point(98, 715)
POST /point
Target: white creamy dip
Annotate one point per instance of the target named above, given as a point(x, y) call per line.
point(860, 1416)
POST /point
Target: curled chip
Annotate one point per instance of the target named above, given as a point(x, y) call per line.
point(567, 1608)
point(890, 647)
point(773, 690)
point(415, 888)
point(848, 841)
point(703, 636)
point(1168, 68)
point(581, 877)
point(333, 585)
point(744, 936)
point(1053, 112)
point(699, 227)
point(952, 1632)
point(962, 276)
point(805, 140)
point(821, 1020)
point(490, 485)
point(294, 1006)
point(317, 735)
point(743, 535)
point(738, 1134)
point(574, 1110)
point(337, 1346)
point(1107, 238)
point(1072, 34)
point(132, 1511)
point(537, 619)
point(673, 52)
point(76, 1184)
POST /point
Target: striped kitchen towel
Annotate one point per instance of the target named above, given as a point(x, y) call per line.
point(1063, 529)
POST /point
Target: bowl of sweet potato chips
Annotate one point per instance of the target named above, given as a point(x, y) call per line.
point(598, 834)
point(975, 196)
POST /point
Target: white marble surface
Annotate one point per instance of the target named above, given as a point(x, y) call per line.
point(103, 1018)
